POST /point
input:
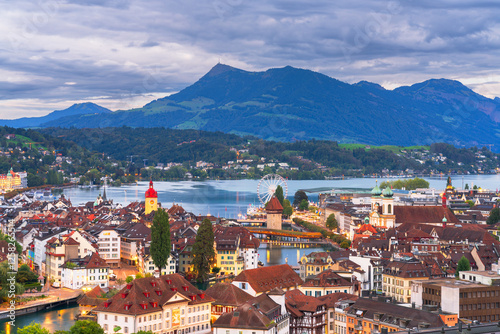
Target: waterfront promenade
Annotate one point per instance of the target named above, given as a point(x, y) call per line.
point(54, 298)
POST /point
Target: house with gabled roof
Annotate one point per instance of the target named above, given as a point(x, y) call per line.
point(264, 279)
point(89, 271)
point(263, 314)
point(162, 304)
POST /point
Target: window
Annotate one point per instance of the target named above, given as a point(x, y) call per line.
point(125, 330)
point(116, 318)
point(105, 317)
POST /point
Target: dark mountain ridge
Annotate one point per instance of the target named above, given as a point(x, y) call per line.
point(287, 104)
point(75, 110)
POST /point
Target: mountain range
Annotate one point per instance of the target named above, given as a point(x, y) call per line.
point(286, 104)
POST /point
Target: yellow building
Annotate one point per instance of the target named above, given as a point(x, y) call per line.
point(151, 203)
point(10, 181)
point(227, 255)
point(315, 263)
point(397, 278)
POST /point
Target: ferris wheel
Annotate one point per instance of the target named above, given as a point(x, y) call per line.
point(267, 187)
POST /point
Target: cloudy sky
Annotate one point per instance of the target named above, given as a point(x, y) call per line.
point(124, 53)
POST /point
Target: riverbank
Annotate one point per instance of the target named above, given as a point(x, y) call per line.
point(55, 298)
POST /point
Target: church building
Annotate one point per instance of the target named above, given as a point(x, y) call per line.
point(382, 208)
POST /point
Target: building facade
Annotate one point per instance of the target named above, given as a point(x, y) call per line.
point(167, 304)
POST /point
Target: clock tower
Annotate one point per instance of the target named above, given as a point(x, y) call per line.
point(151, 199)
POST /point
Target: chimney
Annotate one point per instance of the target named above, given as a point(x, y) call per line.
point(459, 326)
point(443, 200)
point(384, 330)
point(413, 305)
point(474, 216)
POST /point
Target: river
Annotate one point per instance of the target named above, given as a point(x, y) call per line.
point(61, 318)
point(230, 198)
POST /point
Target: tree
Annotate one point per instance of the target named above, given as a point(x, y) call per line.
point(470, 202)
point(345, 244)
point(203, 250)
point(331, 222)
point(138, 275)
point(494, 216)
point(287, 208)
point(144, 332)
point(160, 239)
point(300, 195)
point(466, 186)
point(279, 194)
point(33, 328)
point(304, 205)
point(129, 279)
point(86, 327)
point(463, 265)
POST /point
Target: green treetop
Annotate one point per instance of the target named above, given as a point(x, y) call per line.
point(33, 328)
point(203, 250)
point(494, 216)
point(279, 195)
point(300, 195)
point(462, 265)
point(331, 222)
point(86, 327)
point(160, 239)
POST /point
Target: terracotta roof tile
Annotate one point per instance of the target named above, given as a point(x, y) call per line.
point(266, 278)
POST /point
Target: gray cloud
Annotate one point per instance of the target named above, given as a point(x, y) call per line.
point(121, 50)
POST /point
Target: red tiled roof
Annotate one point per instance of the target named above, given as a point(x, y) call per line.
point(147, 295)
point(327, 278)
point(423, 215)
point(297, 303)
point(227, 294)
point(96, 262)
point(266, 278)
point(274, 205)
point(332, 298)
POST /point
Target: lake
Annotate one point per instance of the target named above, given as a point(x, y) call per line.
point(230, 198)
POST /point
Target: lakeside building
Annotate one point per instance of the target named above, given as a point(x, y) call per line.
point(236, 249)
point(12, 181)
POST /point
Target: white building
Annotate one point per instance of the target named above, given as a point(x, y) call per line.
point(39, 243)
point(167, 304)
point(146, 266)
point(109, 246)
point(91, 270)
